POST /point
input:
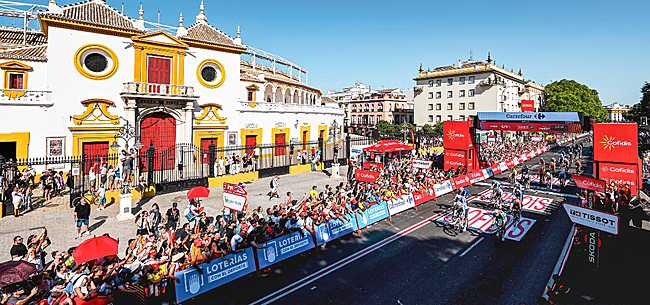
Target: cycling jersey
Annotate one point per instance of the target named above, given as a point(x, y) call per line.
point(519, 193)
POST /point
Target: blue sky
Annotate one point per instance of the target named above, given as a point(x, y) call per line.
point(602, 44)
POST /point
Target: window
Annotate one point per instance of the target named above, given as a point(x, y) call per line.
point(430, 106)
point(470, 93)
point(450, 118)
point(430, 118)
point(380, 107)
point(96, 62)
point(439, 94)
point(450, 106)
point(461, 106)
point(359, 119)
point(450, 81)
point(372, 107)
point(378, 119)
point(462, 117)
point(354, 108)
point(16, 81)
point(430, 83)
point(438, 106)
point(439, 83)
point(354, 119)
point(372, 119)
point(430, 94)
point(462, 81)
point(470, 106)
point(438, 118)
point(159, 70)
point(209, 73)
point(471, 79)
point(461, 93)
point(251, 95)
point(450, 94)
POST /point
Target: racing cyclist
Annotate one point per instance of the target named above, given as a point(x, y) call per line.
point(513, 175)
point(499, 219)
point(562, 176)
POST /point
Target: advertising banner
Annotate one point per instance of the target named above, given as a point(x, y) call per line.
point(620, 174)
point(475, 176)
point(496, 169)
point(461, 181)
point(442, 188)
point(531, 127)
point(422, 197)
point(534, 204)
point(424, 164)
point(401, 204)
point(592, 218)
point(356, 151)
point(454, 158)
point(616, 142)
point(364, 175)
point(334, 229)
point(234, 202)
point(372, 214)
point(503, 167)
point(527, 105)
point(479, 220)
point(372, 165)
point(540, 117)
point(487, 173)
point(456, 135)
point(589, 183)
point(284, 247)
point(215, 274)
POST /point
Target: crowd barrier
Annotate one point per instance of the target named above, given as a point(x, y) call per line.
point(219, 272)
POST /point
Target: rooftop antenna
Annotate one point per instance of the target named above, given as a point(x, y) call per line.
point(122, 7)
point(471, 54)
point(158, 20)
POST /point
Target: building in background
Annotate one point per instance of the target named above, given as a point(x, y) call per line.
point(389, 105)
point(344, 97)
point(70, 87)
point(455, 92)
point(616, 111)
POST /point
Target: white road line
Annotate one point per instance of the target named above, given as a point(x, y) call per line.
point(472, 246)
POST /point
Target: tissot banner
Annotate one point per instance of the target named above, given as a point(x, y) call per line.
point(589, 183)
point(616, 142)
point(364, 175)
point(456, 135)
point(284, 247)
point(592, 218)
point(620, 174)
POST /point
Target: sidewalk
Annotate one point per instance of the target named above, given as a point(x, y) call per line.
point(58, 218)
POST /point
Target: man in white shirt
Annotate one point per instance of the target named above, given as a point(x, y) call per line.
point(220, 166)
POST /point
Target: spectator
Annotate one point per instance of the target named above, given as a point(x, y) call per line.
point(172, 217)
point(81, 216)
point(18, 250)
point(274, 187)
point(101, 197)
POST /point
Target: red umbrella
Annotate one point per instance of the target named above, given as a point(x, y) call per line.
point(15, 272)
point(199, 191)
point(94, 248)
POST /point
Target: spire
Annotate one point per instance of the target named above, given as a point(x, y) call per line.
point(238, 38)
point(54, 8)
point(489, 60)
point(420, 68)
point(201, 16)
point(139, 23)
point(520, 72)
point(181, 31)
point(141, 12)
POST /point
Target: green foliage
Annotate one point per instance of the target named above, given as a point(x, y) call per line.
point(438, 127)
point(641, 108)
point(426, 129)
point(571, 96)
point(394, 130)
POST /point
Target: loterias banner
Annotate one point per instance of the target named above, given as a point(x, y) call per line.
point(590, 183)
point(364, 175)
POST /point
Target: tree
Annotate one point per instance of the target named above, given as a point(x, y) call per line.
point(438, 127)
point(641, 108)
point(427, 129)
point(571, 96)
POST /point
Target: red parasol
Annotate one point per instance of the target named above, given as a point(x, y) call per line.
point(15, 272)
point(199, 191)
point(94, 248)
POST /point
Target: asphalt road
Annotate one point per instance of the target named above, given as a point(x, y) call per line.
point(427, 265)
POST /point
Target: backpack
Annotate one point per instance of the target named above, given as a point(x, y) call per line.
point(271, 183)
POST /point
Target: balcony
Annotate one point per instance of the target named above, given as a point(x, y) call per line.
point(152, 90)
point(22, 97)
point(490, 82)
point(418, 88)
point(288, 108)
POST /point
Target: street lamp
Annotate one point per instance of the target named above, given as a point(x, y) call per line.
point(126, 133)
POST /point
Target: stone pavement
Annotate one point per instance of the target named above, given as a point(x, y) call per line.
point(58, 218)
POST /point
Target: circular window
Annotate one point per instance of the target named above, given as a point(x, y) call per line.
point(211, 73)
point(96, 61)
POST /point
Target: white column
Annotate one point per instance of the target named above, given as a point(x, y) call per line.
point(189, 124)
point(273, 89)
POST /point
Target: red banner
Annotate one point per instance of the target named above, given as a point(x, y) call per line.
point(422, 197)
point(412, 138)
point(461, 181)
point(496, 169)
point(456, 135)
point(527, 105)
point(590, 183)
point(616, 142)
point(454, 158)
point(620, 174)
point(364, 175)
point(475, 176)
point(373, 165)
point(549, 127)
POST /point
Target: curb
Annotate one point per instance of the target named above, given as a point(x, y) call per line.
point(559, 266)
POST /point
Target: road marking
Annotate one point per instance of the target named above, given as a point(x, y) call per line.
point(472, 247)
point(325, 271)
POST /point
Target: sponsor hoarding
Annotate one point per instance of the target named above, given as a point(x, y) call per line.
point(532, 127)
point(620, 174)
point(234, 196)
point(569, 117)
point(454, 158)
point(401, 204)
point(284, 247)
point(442, 188)
point(424, 164)
point(616, 142)
point(461, 181)
point(372, 214)
point(592, 218)
point(589, 183)
point(527, 105)
point(334, 229)
point(364, 175)
point(456, 135)
point(478, 220)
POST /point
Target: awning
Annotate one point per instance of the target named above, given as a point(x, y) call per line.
point(388, 146)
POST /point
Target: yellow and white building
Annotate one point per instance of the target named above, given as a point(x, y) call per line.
point(71, 86)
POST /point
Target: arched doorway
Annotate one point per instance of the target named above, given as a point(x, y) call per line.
point(159, 128)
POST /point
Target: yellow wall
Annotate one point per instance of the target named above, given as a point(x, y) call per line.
point(79, 138)
point(302, 130)
point(218, 181)
point(324, 129)
point(297, 169)
point(22, 143)
point(218, 136)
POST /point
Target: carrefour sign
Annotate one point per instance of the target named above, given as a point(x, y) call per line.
point(567, 117)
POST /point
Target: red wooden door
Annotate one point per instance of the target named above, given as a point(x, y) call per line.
point(94, 151)
point(205, 149)
point(280, 140)
point(251, 141)
point(159, 128)
point(304, 139)
point(158, 70)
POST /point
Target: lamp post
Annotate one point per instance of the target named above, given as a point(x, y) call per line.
point(334, 136)
point(126, 133)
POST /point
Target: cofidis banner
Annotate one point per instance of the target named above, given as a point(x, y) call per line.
point(284, 247)
point(364, 175)
point(620, 174)
point(372, 214)
point(334, 229)
point(456, 135)
point(589, 183)
point(616, 142)
point(479, 220)
point(215, 274)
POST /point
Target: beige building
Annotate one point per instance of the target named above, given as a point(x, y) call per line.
point(458, 91)
point(616, 111)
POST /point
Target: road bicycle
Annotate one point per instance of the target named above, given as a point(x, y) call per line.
point(456, 225)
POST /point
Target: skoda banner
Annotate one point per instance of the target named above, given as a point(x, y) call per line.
point(372, 214)
point(215, 274)
point(284, 247)
point(592, 218)
point(334, 229)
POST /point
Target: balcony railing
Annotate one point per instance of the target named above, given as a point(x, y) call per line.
point(22, 97)
point(418, 88)
point(158, 89)
point(288, 107)
point(490, 82)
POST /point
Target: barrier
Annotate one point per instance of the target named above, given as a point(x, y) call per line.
point(372, 214)
point(422, 197)
point(442, 188)
point(401, 204)
point(284, 247)
point(334, 229)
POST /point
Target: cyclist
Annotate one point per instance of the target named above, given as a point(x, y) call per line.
point(551, 166)
point(525, 180)
point(541, 172)
point(513, 175)
point(548, 180)
point(541, 162)
point(464, 192)
point(516, 210)
point(461, 210)
point(562, 176)
point(518, 192)
point(499, 219)
point(524, 170)
point(578, 166)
